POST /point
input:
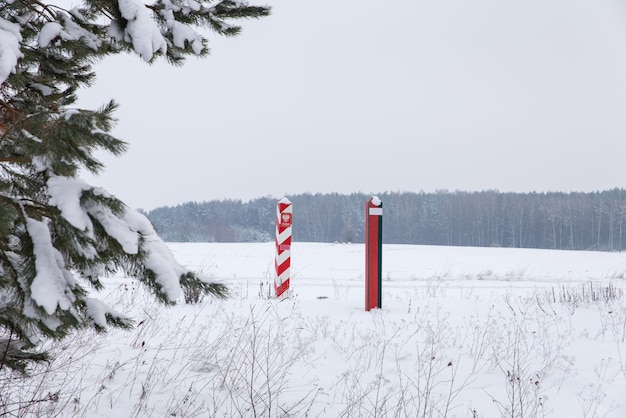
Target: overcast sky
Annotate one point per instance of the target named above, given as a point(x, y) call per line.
point(369, 96)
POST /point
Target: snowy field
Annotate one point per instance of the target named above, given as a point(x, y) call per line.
point(463, 332)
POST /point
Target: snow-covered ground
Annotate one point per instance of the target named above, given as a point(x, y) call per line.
point(463, 332)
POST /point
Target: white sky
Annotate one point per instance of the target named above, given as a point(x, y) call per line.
point(360, 95)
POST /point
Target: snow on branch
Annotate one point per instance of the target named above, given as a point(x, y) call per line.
point(116, 228)
point(141, 30)
point(10, 38)
point(160, 259)
point(65, 194)
point(183, 33)
point(134, 232)
point(49, 288)
point(99, 314)
point(69, 31)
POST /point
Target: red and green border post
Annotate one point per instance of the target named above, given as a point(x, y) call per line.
point(282, 260)
point(373, 253)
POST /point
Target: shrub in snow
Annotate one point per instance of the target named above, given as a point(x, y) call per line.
point(59, 235)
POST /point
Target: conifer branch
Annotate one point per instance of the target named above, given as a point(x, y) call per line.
point(19, 160)
point(55, 229)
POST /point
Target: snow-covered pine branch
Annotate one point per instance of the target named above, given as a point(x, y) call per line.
point(59, 236)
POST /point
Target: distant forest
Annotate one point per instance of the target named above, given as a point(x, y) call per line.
point(573, 221)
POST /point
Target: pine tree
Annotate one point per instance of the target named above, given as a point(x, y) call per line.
point(59, 236)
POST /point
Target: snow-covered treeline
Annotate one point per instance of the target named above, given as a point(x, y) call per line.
point(579, 221)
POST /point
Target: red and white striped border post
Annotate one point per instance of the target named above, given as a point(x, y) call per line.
point(283, 246)
point(373, 253)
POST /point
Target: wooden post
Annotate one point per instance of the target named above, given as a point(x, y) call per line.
point(282, 260)
point(373, 253)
